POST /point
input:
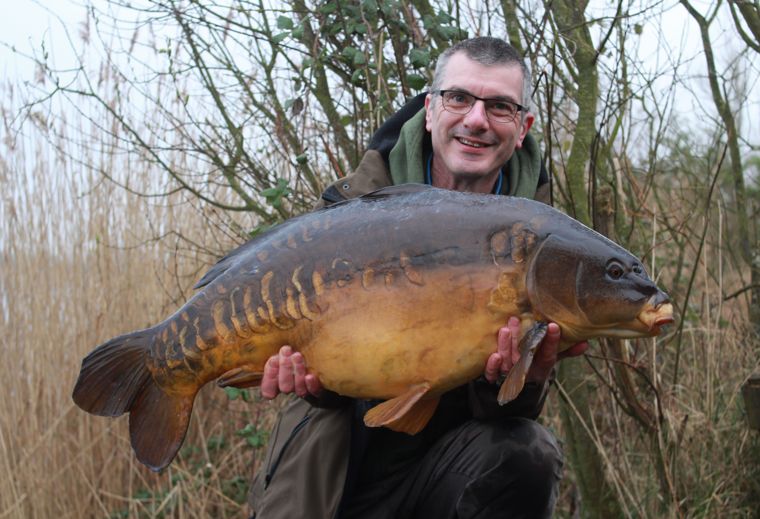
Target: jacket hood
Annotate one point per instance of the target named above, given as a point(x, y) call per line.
point(404, 143)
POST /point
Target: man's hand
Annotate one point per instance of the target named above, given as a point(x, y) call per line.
point(286, 373)
point(546, 356)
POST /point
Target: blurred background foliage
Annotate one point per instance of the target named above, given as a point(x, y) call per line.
point(189, 126)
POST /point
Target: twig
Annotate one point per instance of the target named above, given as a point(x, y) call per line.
point(696, 261)
point(741, 291)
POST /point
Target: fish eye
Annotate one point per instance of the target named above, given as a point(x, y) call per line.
point(615, 270)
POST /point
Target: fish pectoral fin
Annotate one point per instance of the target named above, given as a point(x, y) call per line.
point(407, 413)
point(515, 380)
point(241, 377)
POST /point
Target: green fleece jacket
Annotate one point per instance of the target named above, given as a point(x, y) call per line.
point(407, 163)
point(400, 158)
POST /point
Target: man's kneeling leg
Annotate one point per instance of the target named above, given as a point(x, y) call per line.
point(488, 470)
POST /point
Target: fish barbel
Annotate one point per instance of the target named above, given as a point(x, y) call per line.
point(397, 295)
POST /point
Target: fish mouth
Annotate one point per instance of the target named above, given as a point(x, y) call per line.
point(654, 317)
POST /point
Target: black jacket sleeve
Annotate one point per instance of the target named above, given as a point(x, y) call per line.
point(484, 406)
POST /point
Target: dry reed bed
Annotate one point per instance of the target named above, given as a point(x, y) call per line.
point(80, 266)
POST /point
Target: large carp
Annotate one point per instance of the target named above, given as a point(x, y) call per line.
point(397, 295)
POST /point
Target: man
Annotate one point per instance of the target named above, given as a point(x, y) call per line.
point(474, 458)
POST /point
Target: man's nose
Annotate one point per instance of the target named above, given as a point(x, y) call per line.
point(477, 116)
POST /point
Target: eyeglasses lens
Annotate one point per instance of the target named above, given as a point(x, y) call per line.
point(461, 103)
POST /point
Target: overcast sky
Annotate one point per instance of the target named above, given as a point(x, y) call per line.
point(30, 22)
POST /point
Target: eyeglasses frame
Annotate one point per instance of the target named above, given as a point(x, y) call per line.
point(520, 108)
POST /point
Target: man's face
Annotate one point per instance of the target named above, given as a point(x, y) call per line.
point(468, 147)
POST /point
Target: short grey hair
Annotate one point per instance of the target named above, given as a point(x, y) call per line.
point(487, 51)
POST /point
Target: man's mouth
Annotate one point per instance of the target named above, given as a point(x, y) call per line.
point(473, 144)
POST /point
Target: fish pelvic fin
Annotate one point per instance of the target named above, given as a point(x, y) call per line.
point(114, 379)
point(241, 377)
point(515, 381)
point(407, 413)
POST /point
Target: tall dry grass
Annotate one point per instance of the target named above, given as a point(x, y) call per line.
point(81, 264)
point(699, 458)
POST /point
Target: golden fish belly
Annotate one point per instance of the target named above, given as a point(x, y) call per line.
point(376, 342)
point(370, 334)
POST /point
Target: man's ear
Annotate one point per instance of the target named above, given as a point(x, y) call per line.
point(428, 112)
point(525, 125)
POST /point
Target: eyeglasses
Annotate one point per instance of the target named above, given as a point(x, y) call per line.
point(497, 110)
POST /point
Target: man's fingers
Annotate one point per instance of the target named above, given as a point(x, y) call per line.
point(493, 367)
point(313, 385)
point(504, 341)
point(269, 388)
point(514, 328)
point(504, 347)
point(507, 350)
point(299, 372)
point(553, 332)
point(545, 356)
point(547, 351)
point(286, 373)
point(285, 376)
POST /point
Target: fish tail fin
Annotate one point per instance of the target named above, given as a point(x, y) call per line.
point(114, 379)
point(157, 425)
point(114, 374)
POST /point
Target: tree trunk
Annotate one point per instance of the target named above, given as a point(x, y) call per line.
point(597, 495)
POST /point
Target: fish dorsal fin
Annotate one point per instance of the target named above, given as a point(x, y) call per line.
point(515, 380)
point(407, 413)
point(401, 189)
point(380, 194)
point(229, 259)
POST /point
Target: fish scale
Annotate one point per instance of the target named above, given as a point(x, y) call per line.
point(396, 296)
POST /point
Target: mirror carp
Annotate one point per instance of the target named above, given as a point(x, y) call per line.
point(397, 295)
